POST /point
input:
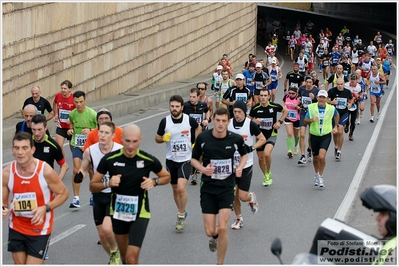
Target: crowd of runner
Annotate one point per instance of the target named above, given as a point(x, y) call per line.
point(245, 122)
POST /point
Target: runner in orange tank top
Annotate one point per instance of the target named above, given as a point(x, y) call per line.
point(34, 190)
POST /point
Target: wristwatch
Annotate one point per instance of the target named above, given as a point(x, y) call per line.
point(280, 121)
point(156, 181)
point(48, 209)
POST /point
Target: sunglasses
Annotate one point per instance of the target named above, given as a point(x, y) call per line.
point(201, 89)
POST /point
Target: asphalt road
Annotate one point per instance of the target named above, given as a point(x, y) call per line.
point(292, 208)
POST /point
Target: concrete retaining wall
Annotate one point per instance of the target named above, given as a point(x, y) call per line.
point(106, 49)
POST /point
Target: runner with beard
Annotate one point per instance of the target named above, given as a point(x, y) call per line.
point(178, 131)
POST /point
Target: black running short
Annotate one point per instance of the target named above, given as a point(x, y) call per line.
point(178, 170)
point(135, 229)
point(35, 246)
point(319, 142)
point(214, 198)
point(101, 207)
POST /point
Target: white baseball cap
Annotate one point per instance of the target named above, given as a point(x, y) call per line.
point(259, 65)
point(220, 67)
point(240, 76)
point(274, 61)
point(322, 93)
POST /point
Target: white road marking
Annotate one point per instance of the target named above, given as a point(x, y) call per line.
point(342, 212)
point(68, 232)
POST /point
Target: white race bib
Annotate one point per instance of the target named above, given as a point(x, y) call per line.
point(197, 117)
point(242, 97)
point(266, 123)
point(306, 101)
point(80, 140)
point(64, 115)
point(179, 147)
point(223, 168)
point(341, 103)
point(126, 208)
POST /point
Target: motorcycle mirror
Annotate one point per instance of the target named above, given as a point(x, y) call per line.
point(276, 249)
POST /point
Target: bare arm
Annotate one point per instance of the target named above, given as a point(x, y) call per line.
point(50, 115)
point(261, 141)
point(198, 131)
point(5, 191)
point(56, 186)
point(210, 108)
point(96, 185)
point(55, 110)
point(84, 166)
point(285, 84)
point(159, 139)
point(63, 170)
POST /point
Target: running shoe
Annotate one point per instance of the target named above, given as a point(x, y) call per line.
point(99, 242)
point(267, 180)
point(357, 121)
point(289, 154)
point(296, 150)
point(91, 199)
point(114, 257)
point(253, 203)
point(321, 181)
point(346, 129)
point(193, 178)
point(335, 152)
point(338, 156)
point(213, 244)
point(75, 203)
point(302, 160)
point(309, 156)
point(361, 114)
point(351, 137)
point(46, 256)
point(237, 224)
point(372, 119)
point(378, 114)
point(316, 179)
point(181, 221)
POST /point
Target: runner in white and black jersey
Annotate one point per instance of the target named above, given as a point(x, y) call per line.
point(217, 147)
point(249, 131)
point(101, 200)
point(265, 116)
point(238, 93)
point(342, 99)
point(199, 111)
point(179, 132)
